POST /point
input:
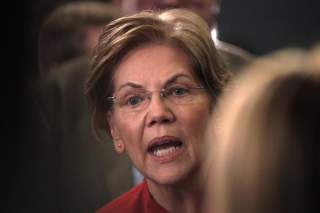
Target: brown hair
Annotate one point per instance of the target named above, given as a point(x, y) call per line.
point(178, 28)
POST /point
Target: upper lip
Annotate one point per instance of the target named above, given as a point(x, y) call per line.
point(161, 140)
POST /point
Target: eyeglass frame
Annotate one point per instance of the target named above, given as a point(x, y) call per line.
point(163, 93)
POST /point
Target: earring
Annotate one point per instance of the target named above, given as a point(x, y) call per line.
point(120, 147)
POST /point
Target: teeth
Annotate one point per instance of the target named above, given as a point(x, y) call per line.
point(166, 151)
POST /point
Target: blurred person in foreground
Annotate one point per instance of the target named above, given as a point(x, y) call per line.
point(265, 138)
point(234, 56)
point(154, 81)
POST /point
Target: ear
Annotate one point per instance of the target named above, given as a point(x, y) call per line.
point(115, 134)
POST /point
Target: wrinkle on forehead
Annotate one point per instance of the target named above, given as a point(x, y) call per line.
point(151, 64)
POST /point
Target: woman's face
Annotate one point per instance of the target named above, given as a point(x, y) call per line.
point(164, 139)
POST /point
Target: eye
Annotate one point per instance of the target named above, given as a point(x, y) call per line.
point(178, 91)
point(134, 100)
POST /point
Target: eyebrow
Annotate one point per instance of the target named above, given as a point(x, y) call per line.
point(130, 84)
point(168, 82)
point(175, 77)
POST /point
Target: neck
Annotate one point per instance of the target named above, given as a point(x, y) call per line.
point(182, 197)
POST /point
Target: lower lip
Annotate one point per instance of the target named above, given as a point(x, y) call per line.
point(169, 157)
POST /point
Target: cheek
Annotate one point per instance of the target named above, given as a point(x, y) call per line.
point(129, 129)
point(195, 121)
point(194, 126)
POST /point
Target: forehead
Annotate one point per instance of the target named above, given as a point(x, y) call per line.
point(151, 65)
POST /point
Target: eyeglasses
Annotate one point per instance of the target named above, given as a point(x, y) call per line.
point(137, 99)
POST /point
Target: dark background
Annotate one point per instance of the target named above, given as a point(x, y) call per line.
point(259, 26)
point(263, 26)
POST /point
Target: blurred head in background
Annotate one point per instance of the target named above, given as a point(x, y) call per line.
point(234, 57)
point(207, 9)
point(72, 30)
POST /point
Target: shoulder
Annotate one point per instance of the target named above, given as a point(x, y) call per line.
point(131, 201)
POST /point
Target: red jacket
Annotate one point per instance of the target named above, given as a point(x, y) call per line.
point(137, 200)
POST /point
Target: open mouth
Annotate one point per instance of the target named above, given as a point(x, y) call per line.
point(164, 147)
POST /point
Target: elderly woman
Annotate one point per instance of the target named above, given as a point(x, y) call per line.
point(154, 81)
point(266, 151)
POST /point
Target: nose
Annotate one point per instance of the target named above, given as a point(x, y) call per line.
point(159, 112)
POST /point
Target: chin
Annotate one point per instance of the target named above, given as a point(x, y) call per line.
point(170, 176)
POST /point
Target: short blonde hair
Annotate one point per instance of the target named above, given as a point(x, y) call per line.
point(177, 28)
point(266, 136)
